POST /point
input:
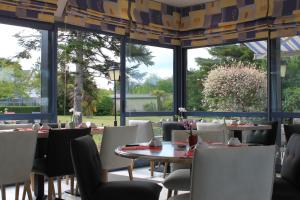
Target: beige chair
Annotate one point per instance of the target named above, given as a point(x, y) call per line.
point(244, 173)
point(180, 176)
point(16, 156)
point(144, 134)
point(144, 130)
point(212, 132)
point(112, 138)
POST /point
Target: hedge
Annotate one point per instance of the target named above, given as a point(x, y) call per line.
point(21, 109)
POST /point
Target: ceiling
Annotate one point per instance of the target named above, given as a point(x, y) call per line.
point(183, 3)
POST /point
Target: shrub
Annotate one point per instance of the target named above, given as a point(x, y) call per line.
point(21, 109)
point(236, 87)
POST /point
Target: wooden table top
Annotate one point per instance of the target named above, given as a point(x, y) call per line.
point(169, 152)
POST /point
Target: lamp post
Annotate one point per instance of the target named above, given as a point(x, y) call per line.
point(114, 75)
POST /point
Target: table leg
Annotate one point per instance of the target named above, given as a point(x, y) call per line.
point(38, 187)
point(238, 134)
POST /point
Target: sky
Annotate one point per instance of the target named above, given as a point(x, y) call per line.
point(162, 57)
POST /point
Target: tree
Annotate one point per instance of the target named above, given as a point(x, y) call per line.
point(14, 82)
point(221, 55)
point(92, 54)
point(236, 87)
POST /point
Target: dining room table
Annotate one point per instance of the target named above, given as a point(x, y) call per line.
point(238, 129)
point(171, 152)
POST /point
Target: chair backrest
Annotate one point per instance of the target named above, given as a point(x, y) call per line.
point(180, 135)
point(290, 170)
point(144, 130)
point(87, 165)
point(264, 137)
point(291, 129)
point(211, 132)
point(58, 159)
point(168, 127)
point(243, 173)
point(16, 156)
point(112, 138)
point(14, 126)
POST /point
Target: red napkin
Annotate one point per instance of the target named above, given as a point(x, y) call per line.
point(181, 142)
point(190, 153)
point(135, 148)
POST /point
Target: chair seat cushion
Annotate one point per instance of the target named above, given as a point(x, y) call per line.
point(179, 180)
point(133, 190)
point(283, 190)
point(185, 196)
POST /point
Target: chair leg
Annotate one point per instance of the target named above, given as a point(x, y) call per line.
point(3, 192)
point(76, 188)
point(152, 168)
point(132, 164)
point(169, 193)
point(28, 190)
point(104, 175)
point(165, 169)
point(59, 187)
point(130, 173)
point(175, 192)
point(50, 188)
point(67, 179)
point(17, 191)
point(72, 184)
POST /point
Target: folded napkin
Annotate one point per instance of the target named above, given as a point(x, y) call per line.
point(190, 153)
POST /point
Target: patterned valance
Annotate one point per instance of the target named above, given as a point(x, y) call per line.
point(217, 22)
point(39, 10)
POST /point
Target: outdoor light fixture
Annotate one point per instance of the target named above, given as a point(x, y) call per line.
point(114, 75)
point(282, 71)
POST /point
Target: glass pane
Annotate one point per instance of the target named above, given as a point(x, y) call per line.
point(149, 84)
point(20, 70)
point(84, 60)
point(290, 76)
point(228, 78)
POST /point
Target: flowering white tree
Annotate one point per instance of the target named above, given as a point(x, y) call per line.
point(238, 87)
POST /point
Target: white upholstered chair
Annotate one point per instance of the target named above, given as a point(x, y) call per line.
point(144, 134)
point(243, 173)
point(144, 130)
point(212, 132)
point(17, 151)
point(112, 138)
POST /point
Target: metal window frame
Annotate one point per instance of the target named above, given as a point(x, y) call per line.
point(48, 69)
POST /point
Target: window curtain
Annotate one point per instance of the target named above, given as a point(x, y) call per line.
point(38, 10)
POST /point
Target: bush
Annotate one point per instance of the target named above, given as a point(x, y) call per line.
point(104, 106)
point(21, 109)
point(236, 87)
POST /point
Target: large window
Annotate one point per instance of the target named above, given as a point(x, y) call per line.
point(84, 86)
point(289, 72)
point(228, 78)
point(20, 70)
point(149, 78)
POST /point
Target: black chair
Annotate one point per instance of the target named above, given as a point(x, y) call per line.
point(263, 137)
point(87, 165)
point(291, 129)
point(56, 161)
point(288, 186)
point(168, 127)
